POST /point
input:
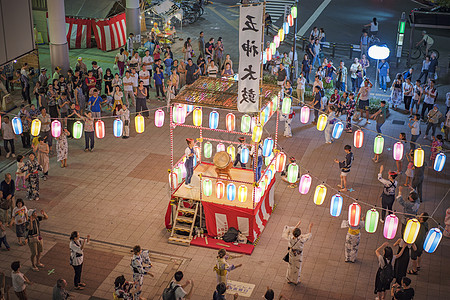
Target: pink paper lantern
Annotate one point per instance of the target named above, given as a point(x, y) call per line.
point(390, 226)
point(220, 189)
point(354, 214)
point(398, 151)
point(159, 118)
point(304, 114)
point(56, 128)
point(305, 184)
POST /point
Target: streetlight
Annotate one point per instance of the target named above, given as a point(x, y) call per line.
point(378, 52)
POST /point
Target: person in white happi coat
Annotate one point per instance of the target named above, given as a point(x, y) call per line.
point(139, 259)
point(295, 250)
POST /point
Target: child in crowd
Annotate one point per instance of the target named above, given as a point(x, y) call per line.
point(19, 281)
point(20, 175)
point(410, 169)
point(124, 115)
point(436, 147)
point(330, 124)
point(402, 138)
point(3, 236)
point(342, 104)
point(350, 107)
point(170, 93)
point(345, 166)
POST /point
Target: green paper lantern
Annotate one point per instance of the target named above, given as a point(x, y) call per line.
point(177, 170)
point(286, 107)
point(371, 220)
point(207, 187)
point(292, 174)
point(77, 129)
point(246, 120)
point(294, 11)
point(207, 150)
point(378, 145)
point(273, 47)
point(268, 159)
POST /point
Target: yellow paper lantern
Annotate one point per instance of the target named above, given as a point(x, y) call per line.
point(232, 151)
point(419, 155)
point(319, 195)
point(35, 127)
point(242, 193)
point(139, 124)
point(411, 231)
point(322, 122)
point(257, 133)
point(197, 116)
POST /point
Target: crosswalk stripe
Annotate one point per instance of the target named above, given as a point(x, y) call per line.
point(275, 8)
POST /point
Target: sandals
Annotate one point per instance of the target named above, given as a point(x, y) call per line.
point(79, 287)
point(40, 265)
point(35, 269)
point(412, 272)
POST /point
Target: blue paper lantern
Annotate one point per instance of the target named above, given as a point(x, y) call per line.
point(213, 119)
point(117, 127)
point(264, 57)
point(286, 28)
point(439, 162)
point(270, 174)
point(432, 240)
point(245, 154)
point(231, 191)
point(337, 130)
point(267, 147)
point(189, 108)
point(336, 205)
point(17, 125)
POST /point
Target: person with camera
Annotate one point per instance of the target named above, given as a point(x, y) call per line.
point(77, 256)
point(35, 241)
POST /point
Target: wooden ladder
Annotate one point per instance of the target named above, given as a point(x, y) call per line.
point(183, 225)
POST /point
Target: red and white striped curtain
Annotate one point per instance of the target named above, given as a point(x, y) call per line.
point(78, 32)
point(110, 33)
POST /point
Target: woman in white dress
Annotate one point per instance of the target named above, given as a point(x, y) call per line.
point(295, 250)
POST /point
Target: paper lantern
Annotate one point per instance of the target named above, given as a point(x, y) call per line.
point(268, 147)
point(56, 128)
point(270, 173)
point(270, 106)
point(273, 47)
point(230, 120)
point(231, 191)
point(266, 179)
point(268, 159)
point(77, 129)
point(371, 220)
point(411, 231)
point(390, 226)
point(319, 194)
point(257, 133)
point(354, 214)
point(197, 116)
point(275, 103)
point(268, 54)
point(305, 184)
point(358, 138)
point(35, 127)
point(197, 151)
point(264, 57)
point(304, 114)
point(183, 170)
point(322, 122)
point(207, 187)
point(207, 150)
point(139, 123)
point(336, 205)
point(281, 34)
point(378, 145)
point(439, 162)
point(276, 42)
point(100, 129)
point(419, 155)
point(213, 119)
point(280, 162)
point(178, 170)
point(294, 11)
point(292, 174)
point(173, 180)
point(258, 194)
point(159, 118)
point(262, 185)
point(253, 123)
point(290, 20)
point(245, 154)
point(398, 151)
point(286, 28)
point(242, 193)
point(117, 128)
point(179, 114)
point(17, 125)
point(432, 240)
point(232, 151)
point(337, 130)
point(189, 108)
point(245, 123)
point(262, 116)
point(220, 147)
point(220, 189)
point(286, 105)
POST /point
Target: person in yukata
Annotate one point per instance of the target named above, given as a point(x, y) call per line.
point(222, 266)
point(32, 167)
point(352, 241)
point(138, 261)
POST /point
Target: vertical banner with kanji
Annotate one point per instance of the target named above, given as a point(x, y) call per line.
point(250, 35)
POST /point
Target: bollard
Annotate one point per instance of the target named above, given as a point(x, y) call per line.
point(333, 50)
point(303, 44)
point(351, 51)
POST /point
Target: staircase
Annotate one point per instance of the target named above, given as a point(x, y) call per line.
point(183, 225)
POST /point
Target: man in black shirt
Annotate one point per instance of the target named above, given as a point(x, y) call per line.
point(209, 48)
point(158, 64)
point(281, 75)
point(405, 292)
point(316, 103)
point(8, 189)
point(192, 72)
point(345, 167)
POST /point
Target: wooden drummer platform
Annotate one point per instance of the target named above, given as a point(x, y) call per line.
point(209, 170)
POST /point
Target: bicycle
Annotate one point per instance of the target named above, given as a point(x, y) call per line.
point(420, 51)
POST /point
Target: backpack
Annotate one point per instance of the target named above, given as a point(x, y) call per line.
point(169, 292)
point(387, 272)
point(231, 235)
point(5, 203)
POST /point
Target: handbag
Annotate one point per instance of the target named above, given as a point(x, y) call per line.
point(286, 257)
point(388, 79)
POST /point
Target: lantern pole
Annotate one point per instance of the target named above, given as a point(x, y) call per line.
point(201, 146)
point(294, 45)
point(201, 193)
point(171, 147)
point(276, 128)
